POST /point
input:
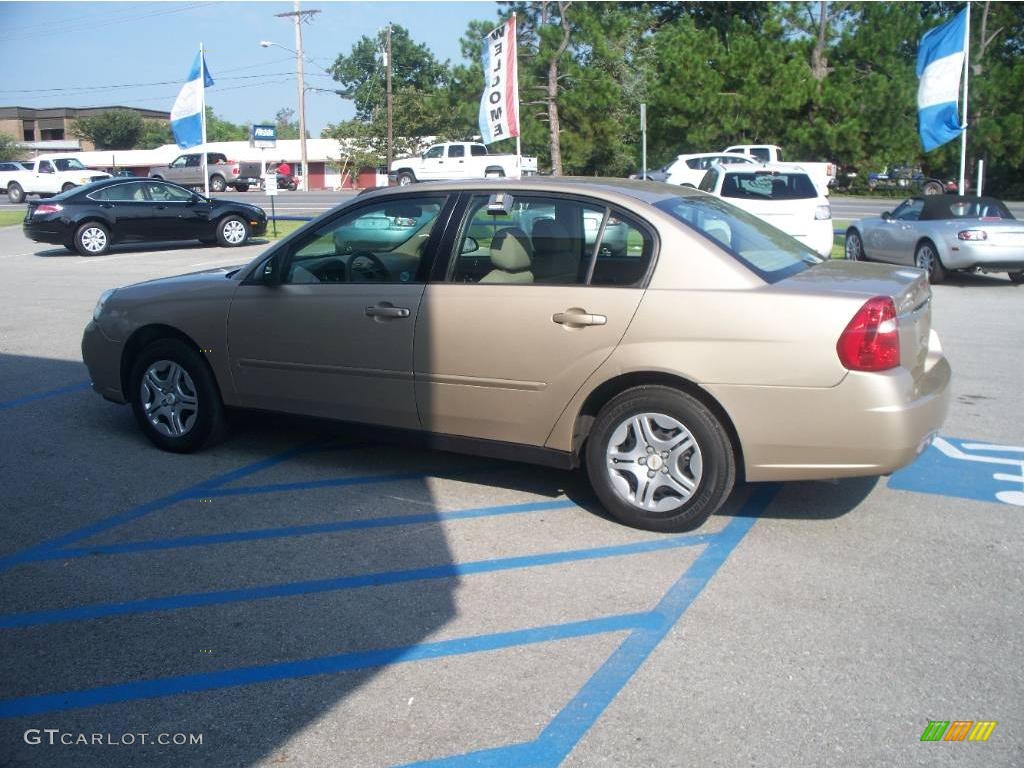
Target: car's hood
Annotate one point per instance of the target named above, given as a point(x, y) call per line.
point(234, 204)
point(186, 283)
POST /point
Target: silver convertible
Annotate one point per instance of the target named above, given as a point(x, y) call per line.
point(941, 234)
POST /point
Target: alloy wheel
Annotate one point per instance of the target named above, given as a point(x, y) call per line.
point(234, 231)
point(94, 239)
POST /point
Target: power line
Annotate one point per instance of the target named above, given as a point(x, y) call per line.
point(93, 24)
point(79, 89)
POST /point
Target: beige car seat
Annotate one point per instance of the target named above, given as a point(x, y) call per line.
point(553, 257)
point(511, 257)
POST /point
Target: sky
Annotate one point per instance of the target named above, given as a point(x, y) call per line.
point(65, 54)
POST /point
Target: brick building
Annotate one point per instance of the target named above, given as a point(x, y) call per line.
point(48, 126)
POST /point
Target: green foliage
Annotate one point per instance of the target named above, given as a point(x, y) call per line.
point(218, 129)
point(155, 133)
point(9, 147)
point(116, 129)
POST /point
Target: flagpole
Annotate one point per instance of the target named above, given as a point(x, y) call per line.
point(202, 115)
point(967, 69)
point(519, 117)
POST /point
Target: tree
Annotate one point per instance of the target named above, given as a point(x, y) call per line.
point(9, 147)
point(155, 133)
point(218, 129)
point(116, 129)
point(287, 126)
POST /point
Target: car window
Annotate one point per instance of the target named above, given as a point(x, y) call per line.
point(433, 152)
point(69, 164)
point(456, 150)
point(45, 167)
point(697, 163)
point(131, 192)
point(383, 242)
point(765, 250)
point(193, 161)
point(768, 185)
point(477, 150)
point(179, 162)
point(707, 184)
point(8, 167)
point(545, 240)
point(909, 210)
point(167, 192)
point(761, 153)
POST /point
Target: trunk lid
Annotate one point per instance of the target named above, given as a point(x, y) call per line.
point(908, 288)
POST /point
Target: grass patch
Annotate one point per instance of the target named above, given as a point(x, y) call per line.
point(839, 241)
point(10, 218)
point(283, 228)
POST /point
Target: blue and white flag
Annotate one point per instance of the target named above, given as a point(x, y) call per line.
point(940, 65)
point(187, 112)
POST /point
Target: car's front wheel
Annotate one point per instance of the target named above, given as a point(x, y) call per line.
point(659, 459)
point(175, 398)
point(232, 231)
point(405, 179)
point(92, 239)
point(15, 193)
point(926, 257)
point(67, 187)
point(1016, 277)
point(217, 184)
point(853, 249)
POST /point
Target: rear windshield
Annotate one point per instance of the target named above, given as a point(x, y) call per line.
point(768, 252)
point(768, 185)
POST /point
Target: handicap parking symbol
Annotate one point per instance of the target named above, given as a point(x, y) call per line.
point(968, 470)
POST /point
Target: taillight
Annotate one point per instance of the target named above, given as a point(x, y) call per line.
point(871, 341)
point(49, 208)
point(234, 170)
point(972, 234)
point(823, 212)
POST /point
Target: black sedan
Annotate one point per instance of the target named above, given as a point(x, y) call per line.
point(90, 218)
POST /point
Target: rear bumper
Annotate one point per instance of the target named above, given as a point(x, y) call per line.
point(46, 232)
point(868, 424)
point(103, 359)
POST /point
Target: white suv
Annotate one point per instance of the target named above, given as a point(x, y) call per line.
point(783, 195)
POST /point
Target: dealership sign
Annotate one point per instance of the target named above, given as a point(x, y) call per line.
point(499, 105)
point(263, 136)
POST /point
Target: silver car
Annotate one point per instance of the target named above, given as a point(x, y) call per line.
point(943, 233)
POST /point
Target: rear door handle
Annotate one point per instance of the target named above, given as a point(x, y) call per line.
point(387, 311)
point(577, 317)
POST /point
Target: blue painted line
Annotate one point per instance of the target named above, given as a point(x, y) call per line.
point(324, 665)
point(562, 734)
point(79, 387)
point(312, 485)
point(99, 526)
point(317, 586)
point(303, 530)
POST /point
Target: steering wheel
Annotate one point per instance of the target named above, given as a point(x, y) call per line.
point(366, 267)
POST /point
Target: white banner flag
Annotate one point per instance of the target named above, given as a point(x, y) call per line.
point(499, 105)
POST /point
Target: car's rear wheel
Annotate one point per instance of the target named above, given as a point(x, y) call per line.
point(175, 398)
point(241, 187)
point(217, 183)
point(405, 179)
point(67, 187)
point(92, 239)
point(853, 249)
point(659, 459)
point(1016, 277)
point(926, 257)
point(232, 231)
point(15, 193)
point(932, 188)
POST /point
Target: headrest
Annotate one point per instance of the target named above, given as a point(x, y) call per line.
point(511, 250)
point(547, 233)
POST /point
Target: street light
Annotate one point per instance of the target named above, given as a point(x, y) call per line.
point(301, 80)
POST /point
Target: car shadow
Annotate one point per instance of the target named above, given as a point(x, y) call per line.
point(153, 247)
point(978, 280)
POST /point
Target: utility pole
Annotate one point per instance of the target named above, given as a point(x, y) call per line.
point(391, 136)
point(299, 16)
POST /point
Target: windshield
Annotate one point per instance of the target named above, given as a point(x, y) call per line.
point(767, 251)
point(68, 164)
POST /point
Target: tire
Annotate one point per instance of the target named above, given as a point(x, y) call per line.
point(67, 187)
point(405, 178)
point(15, 193)
point(932, 188)
point(853, 248)
point(926, 257)
point(217, 183)
point(667, 416)
point(241, 187)
point(178, 405)
point(92, 239)
point(232, 231)
point(1016, 277)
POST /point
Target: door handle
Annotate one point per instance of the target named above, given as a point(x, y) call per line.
point(387, 311)
point(578, 318)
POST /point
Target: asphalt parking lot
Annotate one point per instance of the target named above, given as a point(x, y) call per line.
point(306, 595)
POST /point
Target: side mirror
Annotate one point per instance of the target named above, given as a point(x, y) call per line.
point(194, 199)
point(268, 275)
point(887, 216)
point(470, 245)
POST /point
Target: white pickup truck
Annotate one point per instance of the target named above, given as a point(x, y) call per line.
point(824, 174)
point(50, 175)
point(460, 160)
